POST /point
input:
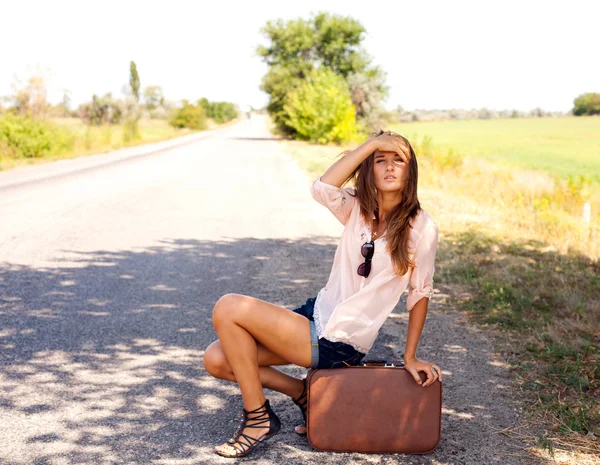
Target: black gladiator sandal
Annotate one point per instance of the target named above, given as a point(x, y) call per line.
point(301, 402)
point(264, 414)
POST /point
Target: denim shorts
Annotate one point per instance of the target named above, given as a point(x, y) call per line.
point(325, 353)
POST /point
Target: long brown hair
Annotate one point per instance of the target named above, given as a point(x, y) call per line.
point(399, 223)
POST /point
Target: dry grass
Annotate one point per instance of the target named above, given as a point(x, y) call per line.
point(577, 449)
point(516, 257)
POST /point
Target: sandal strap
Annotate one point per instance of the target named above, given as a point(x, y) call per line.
point(259, 420)
point(248, 442)
point(302, 400)
point(265, 406)
point(239, 450)
point(246, 417)
point(302, 396)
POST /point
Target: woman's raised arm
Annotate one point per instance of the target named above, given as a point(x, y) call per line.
point(340, 171)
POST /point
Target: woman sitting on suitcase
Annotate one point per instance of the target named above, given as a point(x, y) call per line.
point(388, 243)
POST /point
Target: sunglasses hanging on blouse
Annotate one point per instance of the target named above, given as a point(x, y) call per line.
point(367, 250)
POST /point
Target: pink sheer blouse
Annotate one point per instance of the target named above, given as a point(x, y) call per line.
point(352, 308)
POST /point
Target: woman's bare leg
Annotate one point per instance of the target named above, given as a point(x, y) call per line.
point(217, 365)
point(241, 322)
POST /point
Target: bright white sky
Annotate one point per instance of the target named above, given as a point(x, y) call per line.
point(437, 54)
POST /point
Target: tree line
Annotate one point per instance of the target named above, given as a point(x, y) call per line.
point(323, 86)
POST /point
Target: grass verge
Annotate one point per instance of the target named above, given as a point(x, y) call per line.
point(89, 140)
point(517, 259)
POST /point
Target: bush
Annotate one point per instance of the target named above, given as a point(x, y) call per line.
point(587, 104)
point(101, 110)
point(320, 109)
point(24, 137)
point(189, 116)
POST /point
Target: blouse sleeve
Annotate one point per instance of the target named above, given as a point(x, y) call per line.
point(421, 277)
point(337, 200)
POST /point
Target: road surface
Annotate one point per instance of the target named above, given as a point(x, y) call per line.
point(110, 266)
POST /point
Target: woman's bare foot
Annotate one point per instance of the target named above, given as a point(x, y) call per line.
point(228, 447)
point(256, 425)
point(300, 429)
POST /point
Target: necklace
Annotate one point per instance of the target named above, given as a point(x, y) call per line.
point(374, 231)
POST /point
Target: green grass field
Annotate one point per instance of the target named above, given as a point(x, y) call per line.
point(558, 146)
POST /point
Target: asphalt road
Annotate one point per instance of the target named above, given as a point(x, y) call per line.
point(110, 266)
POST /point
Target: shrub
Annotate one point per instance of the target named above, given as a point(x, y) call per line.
point(189, 116)
point(320, 109)
point(24, 137)
point(101, 110)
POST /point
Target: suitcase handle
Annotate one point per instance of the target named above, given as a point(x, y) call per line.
point(382, 363)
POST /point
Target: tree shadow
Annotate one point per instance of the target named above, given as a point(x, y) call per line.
point(101, 356)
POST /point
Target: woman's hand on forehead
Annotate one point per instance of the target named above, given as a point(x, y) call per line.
point(388, 142)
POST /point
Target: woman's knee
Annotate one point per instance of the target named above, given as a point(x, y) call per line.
point(227, 307)
point(214, 360)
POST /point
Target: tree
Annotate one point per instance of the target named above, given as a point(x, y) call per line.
point(337, 43)
point(204, 103)
point(153, 97)
point(134, 81)
point(29, 99)
point(483, 113)
point(587, 104)
point(62, 109)
point(66, 100)
point(299, 46)
point(329, 40)
point(221, 112)
point(367, 91)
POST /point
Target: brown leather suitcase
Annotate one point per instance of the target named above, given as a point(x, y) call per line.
point(376, 407)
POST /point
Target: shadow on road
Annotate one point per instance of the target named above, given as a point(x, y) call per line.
point(103, 358)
